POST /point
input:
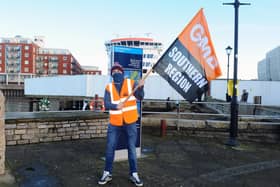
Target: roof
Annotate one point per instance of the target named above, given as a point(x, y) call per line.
point(132, 39)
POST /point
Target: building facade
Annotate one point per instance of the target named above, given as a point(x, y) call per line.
point(151, 49)
point(263, 70)
point(17, 59)
point(55, 62)
point(23, 57)
point(269, 68)
point(91, 70)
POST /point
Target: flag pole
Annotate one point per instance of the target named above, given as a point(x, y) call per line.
point(134, 90)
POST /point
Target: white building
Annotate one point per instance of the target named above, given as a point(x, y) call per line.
point(269, 68)
point(263, 73)
point(151, 49)
point(155, 88)
point(267, 90)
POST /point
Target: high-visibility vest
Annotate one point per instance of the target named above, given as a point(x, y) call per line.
point(128, 114)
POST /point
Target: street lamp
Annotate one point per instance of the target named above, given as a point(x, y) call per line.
point(234, 105)
point(228, 51)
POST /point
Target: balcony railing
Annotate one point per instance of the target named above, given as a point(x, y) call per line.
point(14, 56)
point(14, 78)
point(13, 49)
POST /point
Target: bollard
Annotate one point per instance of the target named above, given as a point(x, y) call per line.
point(96, 102)
point(2, 134)
point(163, 127)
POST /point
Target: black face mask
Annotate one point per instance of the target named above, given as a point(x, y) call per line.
point(118, 77)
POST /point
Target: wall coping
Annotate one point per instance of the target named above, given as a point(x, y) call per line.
point(16, 117)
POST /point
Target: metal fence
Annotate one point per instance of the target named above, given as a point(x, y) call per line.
point(219, 110)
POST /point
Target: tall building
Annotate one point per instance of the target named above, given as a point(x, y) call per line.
point(151, 49)
point(23, 57)
point(269, 68)
point(17, 58)
point(263, 70)
point(56, 62)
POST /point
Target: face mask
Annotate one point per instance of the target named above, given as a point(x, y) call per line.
point(118, 77)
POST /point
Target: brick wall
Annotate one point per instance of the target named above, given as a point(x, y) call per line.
point(27, 131)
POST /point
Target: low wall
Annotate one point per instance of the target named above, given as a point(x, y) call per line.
point(27, 128)
point(248, 129)
point(35, 127)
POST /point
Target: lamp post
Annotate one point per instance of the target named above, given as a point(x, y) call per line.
point(228, 51)
point(234, 105)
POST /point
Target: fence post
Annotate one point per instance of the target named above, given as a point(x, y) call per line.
point(178, 115)
point(163, 127)
point(2, 134)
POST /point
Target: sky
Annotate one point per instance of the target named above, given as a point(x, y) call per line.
point(83, 26)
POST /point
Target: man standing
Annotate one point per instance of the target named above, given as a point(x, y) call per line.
point(123, 115)
point(244, 96)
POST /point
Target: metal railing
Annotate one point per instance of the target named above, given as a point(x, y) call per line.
point(220, 110)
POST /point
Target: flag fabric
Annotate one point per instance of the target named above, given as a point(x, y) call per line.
point(190, 62)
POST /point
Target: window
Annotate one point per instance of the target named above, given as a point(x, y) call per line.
point(0, 61)
point(64, 65)
point(64, 71)
point(64, 58)
point(0, 54)
point(26, 55)
point(0, 68)
point(136, 43)
point(26, 47)
point(26, 62)
point(53, 58)
point(26, 69)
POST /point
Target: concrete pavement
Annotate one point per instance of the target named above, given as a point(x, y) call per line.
point(169, 161)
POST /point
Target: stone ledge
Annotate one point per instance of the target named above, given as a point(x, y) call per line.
point(50, 131)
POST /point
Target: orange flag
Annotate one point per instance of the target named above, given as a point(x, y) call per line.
point(196, 38)
point(190, 62)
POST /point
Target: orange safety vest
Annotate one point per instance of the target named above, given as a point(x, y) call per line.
point(128, 114)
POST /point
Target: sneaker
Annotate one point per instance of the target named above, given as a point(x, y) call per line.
point(106, 177)
point(135, 179)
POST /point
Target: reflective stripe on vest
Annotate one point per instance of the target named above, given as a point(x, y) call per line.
point(129, 113)
point(132, 98)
